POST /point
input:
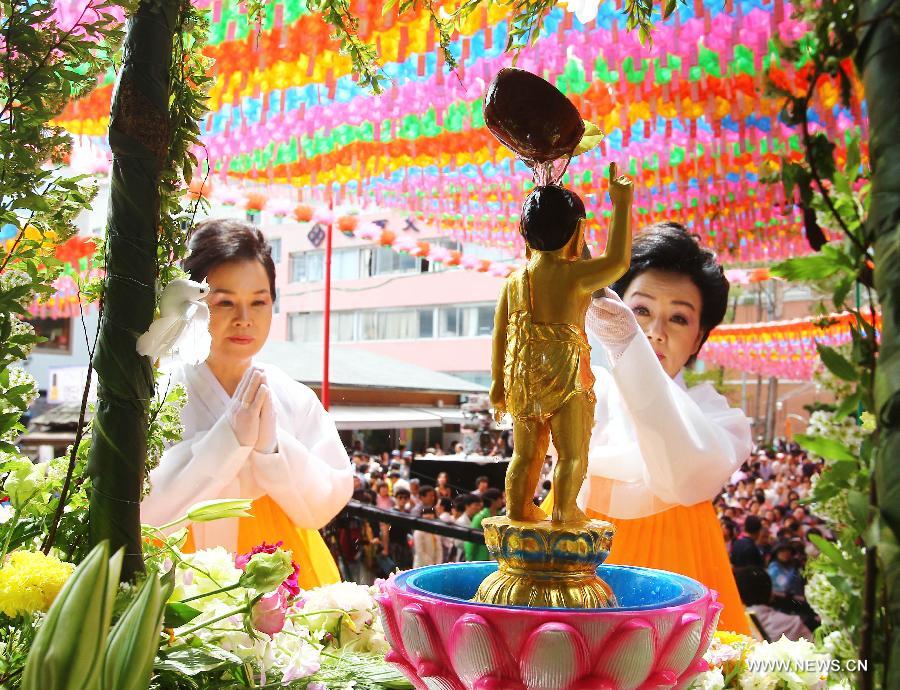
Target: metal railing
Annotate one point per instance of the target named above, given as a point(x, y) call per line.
point(369, 512)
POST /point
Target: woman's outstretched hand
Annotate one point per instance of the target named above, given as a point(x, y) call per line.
point(612, 323)
point(246, 406)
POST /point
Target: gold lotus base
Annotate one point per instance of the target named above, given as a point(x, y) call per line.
point(547, 565)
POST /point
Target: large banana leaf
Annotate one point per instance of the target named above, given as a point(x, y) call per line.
point(879, 61)
point(139, 137)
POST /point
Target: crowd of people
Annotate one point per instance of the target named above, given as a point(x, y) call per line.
point(765, 524)
point(368, 549)
point(767, 530)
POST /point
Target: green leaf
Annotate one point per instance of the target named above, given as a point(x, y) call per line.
point(849, 405)
point(851, 167)
point(841, 290)
point(669, 8)
point(193, 660)
point(591, 139)
point(830, 551)
point(837, 364)
point(812, 267)
point(825, 447)
point(859, 508)
point(178, 614)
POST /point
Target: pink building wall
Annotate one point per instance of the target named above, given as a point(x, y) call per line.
point(452, 286)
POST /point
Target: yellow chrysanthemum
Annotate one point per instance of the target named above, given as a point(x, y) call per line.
point(732, 638)
point(30, 581)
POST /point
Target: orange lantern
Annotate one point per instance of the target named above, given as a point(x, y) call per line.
point(200, 188)
point(455, 258)
point(303, 213)
point(347, 224)
point(387, 238)
point(255, 201)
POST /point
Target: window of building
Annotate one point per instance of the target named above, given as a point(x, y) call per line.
point(343, 326)
point(58, 333)
point(385, 260)
point(398, 325)
point(449, 322)
point(305, 327)
point(345, 264)
point(426, 322)
point(307, 267)
point(275, 244)
point(412, 323)
point(485, 325)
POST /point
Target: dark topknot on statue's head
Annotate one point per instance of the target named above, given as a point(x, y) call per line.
point(550, 217)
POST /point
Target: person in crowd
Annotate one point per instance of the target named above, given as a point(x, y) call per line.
point(383, 498)
point(445, 513)
point(427, 499)
point(786, 579)
point(428, 548)
point(471, 505)
point(398, 537)
point(482, 484)
point(660, 451)
point(414, 488)
point(755, 587)
point(444, 490)
point(746, 550)
point(250, 430)
point(492, 502)
point(438, 448)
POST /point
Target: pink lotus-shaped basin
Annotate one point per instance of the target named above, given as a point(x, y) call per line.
point(442, 641)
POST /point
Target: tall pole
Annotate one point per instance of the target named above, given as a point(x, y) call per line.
point(139, 137)
point(326, 387)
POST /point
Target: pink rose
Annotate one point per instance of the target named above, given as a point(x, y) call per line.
point(267, 615)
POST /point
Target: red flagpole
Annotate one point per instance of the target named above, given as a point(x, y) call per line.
point(326, 392)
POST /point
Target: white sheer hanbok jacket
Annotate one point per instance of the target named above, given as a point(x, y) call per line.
point(656, 443)
point(309, 476)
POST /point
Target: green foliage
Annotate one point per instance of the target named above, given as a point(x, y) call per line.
point(190, 83)
point(43, 66)
point(837, 195)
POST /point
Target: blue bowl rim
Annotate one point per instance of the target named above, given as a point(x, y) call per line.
point(689, 587)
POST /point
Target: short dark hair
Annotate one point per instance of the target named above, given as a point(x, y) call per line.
point(446, 503)
point(491, 495)
point(469, 499)
point(550, 217)
point(482, 479)
point(752, 524)
point(217, 241)
point(754, 585)
point(425, 489)
point(670, 247)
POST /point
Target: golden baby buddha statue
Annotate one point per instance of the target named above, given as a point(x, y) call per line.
point(542, 377)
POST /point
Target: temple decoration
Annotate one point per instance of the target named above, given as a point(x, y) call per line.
point(688, 117)
point(784, 349)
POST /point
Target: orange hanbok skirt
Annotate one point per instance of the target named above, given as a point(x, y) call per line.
point(683, 539)
point(271, 524)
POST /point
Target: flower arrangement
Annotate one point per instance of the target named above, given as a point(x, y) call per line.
point(738, 662)
point(244, 616)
